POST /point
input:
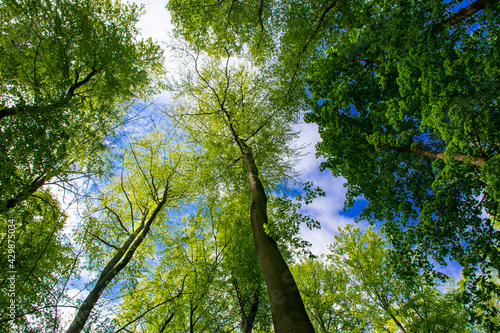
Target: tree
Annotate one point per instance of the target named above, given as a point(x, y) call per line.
point(68, 70)
point(412, 102)
point(405, 92)
point(230, 111)
point(151, 180)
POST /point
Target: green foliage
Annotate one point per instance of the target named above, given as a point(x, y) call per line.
point(224, 24)
point(330, 301)
point(207, 266)
point(150, 165)
point(281, 36)
point(408, 114)
point(210, 93)
point(43, 261)
point(357, 289)
point(68, 70)
point(284, 223)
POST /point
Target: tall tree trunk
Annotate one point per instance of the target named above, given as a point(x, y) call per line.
point(287, 308)
point(114, 266)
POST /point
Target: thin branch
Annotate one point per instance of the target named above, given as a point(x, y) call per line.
point(306, 45)
point(108, 244)
point(154, 195)
point(118, 218)
point(128, 199)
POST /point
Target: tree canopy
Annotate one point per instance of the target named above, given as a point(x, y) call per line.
point(68, 71)
point(414, 106)
point(193, 222)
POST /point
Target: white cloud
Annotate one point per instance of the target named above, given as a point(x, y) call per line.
point(327, 210)
point(156, 22)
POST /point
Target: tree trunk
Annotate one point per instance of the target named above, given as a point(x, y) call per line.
point(167, 321)
point(398, 323)
point(287, 308)
point(7, 112)
point(437, 155)
point(33, 187)
point(248, 320)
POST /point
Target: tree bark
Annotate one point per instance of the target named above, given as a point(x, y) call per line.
point(167, 321)
point(463, 14)
point(248, 320)
point(7, 112)
point(114, 266)
point(436, 155)
point(287, 308)
point(33, 187)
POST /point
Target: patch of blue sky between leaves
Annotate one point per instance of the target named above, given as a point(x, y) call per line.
point(328, 210)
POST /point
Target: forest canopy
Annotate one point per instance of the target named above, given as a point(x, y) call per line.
point(189, 214)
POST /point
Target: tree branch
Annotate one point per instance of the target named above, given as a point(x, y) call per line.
point(108, 244)
point(463, 14)
point(78, 84)
point(474, 160)
point(119, 219)
point(7, 112)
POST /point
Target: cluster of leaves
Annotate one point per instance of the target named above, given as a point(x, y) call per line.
point(68, 72)
point(356, 289)
point(42, 260)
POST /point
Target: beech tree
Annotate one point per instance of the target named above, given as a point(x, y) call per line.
point(134, 202)
point(68, 71)
point(229, 112)
point(413, 104)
